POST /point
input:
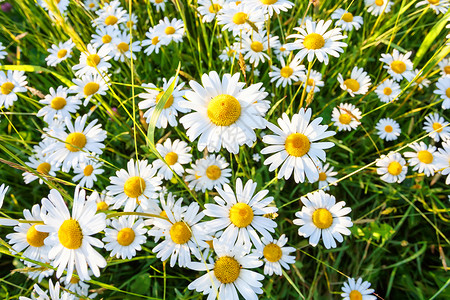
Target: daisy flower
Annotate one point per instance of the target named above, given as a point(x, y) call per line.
point(241, 213)
point(275, 255)
point(75, 146)
point(122, 48)
point(58, 105)
point(388, 90)
point(169, 113)
point(136, 187)
point(388, 129)
point(183, 233)
point(175, 155)
point(392, 168)
point(101, 199)
point(346, 116)
point(235, 18)
point(54, 290)
point(254, 46)
point(281, 50)
point(89, 85)
point(377, 7)
point(399, 66)
point(296, 146)
point(169, 31)
point(421, 81)
point(91, 5)
point(93, 62)
point(104, 36)
point(3, 53)
point(326, 174)
point(225, 113)
point(70, 235)
point(444, 65)
point(3, 190)
point(438, 127)
point(271, 7)
point(160, 5)
point(40, 162)
point(130, 22)
point(125, 237)
point(60, 5)
point(443, 85)
point(287, 74)
point(357, 289)
point(208, 9)
point(230, 53)
point(229, 274)
point(11, 83)
point(86, 172)
point(357, 84)
point(208, 173)
point(59, 53)
point(322, 217)
point(346, 20)
point(313, 40)
point(439, 6)
point(110, 16)
point(422, 158)
point(314, 80)
point(442, 160)
point(153, 41)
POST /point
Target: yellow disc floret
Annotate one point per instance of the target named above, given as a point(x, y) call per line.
point(106, 39)
point(36, 238)
point(257, 46)
point(394, 168)
point(134, 186)
point(224, 110)
point(239, 18)
point(322, 176)
point(227, 269)
point(155, 40)
point(297, 144)
point(93, 60)
point(437, 126)
point(169, 101)
point(322, 218)
point(123, 47)
point(398, 66)
point(75, 141)
point(91, 88)
point(387, 91)
point(345, 119)
point(272, 252)
point(425, 156)
point(111, 20)
point(388, 128)
point(169, 30)
point(180, 233)
point(379, 2)
point(434, 2)
point(171, 158)
point(58, 103)
point(286, 72)
point(44, 168)
point(447, 70)
point(70, 234)
point(88, 170)
point(61, 53)
point(347, 17)
point(313, 41)
point(102, 206)
point(7, 88)
point(352, 84)
point(241, 215)
point(213, 172)
point(125, 236)
point(355, 295)
point(214, 9)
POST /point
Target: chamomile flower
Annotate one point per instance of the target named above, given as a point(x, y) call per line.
point(89, 85)
point(255, 45)
point(93, 61)
point(399, 65)
point(55, 292)
point(76, 285)
point(175, 155)
point(235, 18)
point(241, 213)
point(75, 146)
point(326, 175)
point(40, 162)
point(275, 255)
point(442, 160)
point(169, 31)
point(230, 53)
point(421, 81)
point(110, 16)
point(313, 40)
point(281, 50)
point(229, 274)
point(86, 172)
point(378, 7)
point(322, 217)
point(153, 41)
point(388, 90)
point(444, 65)
point(357, 289)
point(346, 116)
point(125, 237)
point(136, 187)
point(101, 199)
point(59, 53)
point(70, 235)
point(357, 84)
point(91, 5)
point(11, 83)
point(346, 20)
point(388, 129)
point(123, 49)
point(169, 113)
point(3, 190)
point(225, 113)
point(60, 6)
point(104, 36)
point(313, 81)
point(160, 5)
point(422, 158)
point(392, 168)
point(3, 53)
point(439, 6)
point(208, 173)
point(129, 23)
point(209, 9)
point(58, 104)
point(443, 85)
point(287, 74)
point(271, 7)
point(434, 122)
point(296, 146)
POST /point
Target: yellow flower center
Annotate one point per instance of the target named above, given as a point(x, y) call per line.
point(387, 91)
point(75, 141)
point(268, 2)
point(91, 88)
point(214, 8)
point(352, 84)
point(322, 176)
point(169, 30)
point(398, 66)
point(180, 233)
point(447, 92)
point(44, 168)
point(347, 17)
point(419, 80)
point(134, 186)
point(58, 103)
point(7, 88)
point(447, 69)
point(345, 119)
point(155, 40)
point(257, 46)
point(272, 252)
point(158, 1)
point(322, 218)
point(241, 215)
point(231, 52)
point(111, 20)
point(169, 101)
point(224, 110)
point(227, 269)
point(130, 24)
point(74, 280)
point(425, 156)
point(355, 295)
point(123, 47)
point(388, 128)
point(282, 49)
point(106, 39)
point(310, 82)
point(239, 18)
point(70, 234)
point(434, 2)
point(286, 72)
point(125, 236)
point(91, 5)
point(102, 206)
point(313, 41)
point(394, 168)
point(213, 172)
point(297, 144)
point(36, 238)
point(61, 53)
point(437, 126)
point(379, 2)
point(171, 158)
point(93, 60)
point(88, 170)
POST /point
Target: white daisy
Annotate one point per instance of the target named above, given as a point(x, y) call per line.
point(275, 255)
point(58, 105)
point(388, 129)
point(93, 61)
point(439, 6)
point(89, 85)
point(271, 7)
point(443, 85)
point(37, 272)
point(313, 40)
point(399, 65)
point(55, 291)
point(235, 18)
point(434, 122)
point(110, 15)
point(357, 84)
point(322, 217)
point(160, 5)
point(76, 286)
point(377, 7)
point(91, 5)
point(281, 50)
point(153, 41)
point(70, 235)
point(388, 90)
point(326, 174)
point(314, 80)
point(357, 289)
point(3, 190)
point(287, 74)
point(225, 113)
point(104, 36)
point(422, 158)
point(421, 81)
point(41, 163)
point(86, 172)
point(296, 146)
point(175, 155)
point(59, 53)
point(208, 173)
point(346, 116)
point(101, 199)
point(121, 47)
point(442, 160)
point(208, 9)
point(11, 83)
point(129, 23)
point(392, 168)
point(230, 53)
point(169, 31)
point(255, 45)
point(444, 65)
point(346, 20)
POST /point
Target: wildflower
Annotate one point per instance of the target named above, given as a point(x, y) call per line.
point(392, 168)
point(90, 85)
point(377, 7)
point(346, 20)
point(346, 116)
point(357, 289)
point(388, 90)
point(443, 85)
point(357, 84)
point(399, 66)
point(275, 255)
point(388, 129)
point(59, 53)
point(208, 173)
point(59, 105)
point(175, 155)
point(86, 172)
point(11, 83)
point(287, 74)
point(434, 122)
point(422, 158)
